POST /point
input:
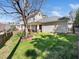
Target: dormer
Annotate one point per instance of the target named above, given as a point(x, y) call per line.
point(38, 16)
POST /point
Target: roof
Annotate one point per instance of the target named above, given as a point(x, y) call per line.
point(46, 20)
point(4, 27)
point(49, 19)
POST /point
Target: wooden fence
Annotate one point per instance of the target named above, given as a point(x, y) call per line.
point(4, 37)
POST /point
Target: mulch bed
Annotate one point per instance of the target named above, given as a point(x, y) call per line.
point(29, 37)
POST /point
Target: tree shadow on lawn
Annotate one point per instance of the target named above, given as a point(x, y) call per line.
point(14, 49)
point(31, 53)
point(56, 46)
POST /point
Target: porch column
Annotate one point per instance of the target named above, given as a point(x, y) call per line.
point(38, 30)
point(20, 27)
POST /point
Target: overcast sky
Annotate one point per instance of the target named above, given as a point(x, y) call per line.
point(52, 8)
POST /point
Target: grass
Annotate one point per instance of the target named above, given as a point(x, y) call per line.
point(9, 45)
point(48, 46)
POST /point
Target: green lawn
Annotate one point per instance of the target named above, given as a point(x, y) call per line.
point(48, 46)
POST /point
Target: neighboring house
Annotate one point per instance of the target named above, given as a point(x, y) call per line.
point(20, 26)
point(4, 28)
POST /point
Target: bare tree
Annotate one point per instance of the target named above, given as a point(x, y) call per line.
point(72, 17)
point(25, 9)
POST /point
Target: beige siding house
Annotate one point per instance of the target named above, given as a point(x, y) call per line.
point(50, 24)
point(47, 24)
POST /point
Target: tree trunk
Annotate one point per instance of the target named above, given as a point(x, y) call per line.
point(25, 31)
point(25, 26)
point(73, 29)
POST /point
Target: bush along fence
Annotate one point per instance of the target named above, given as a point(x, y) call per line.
point(4, 37)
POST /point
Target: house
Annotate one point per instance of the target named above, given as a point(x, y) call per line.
point(48, 24)
point(20, 25)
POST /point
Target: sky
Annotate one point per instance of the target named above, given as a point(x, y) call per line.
point(59, 7)
point(52, 8)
